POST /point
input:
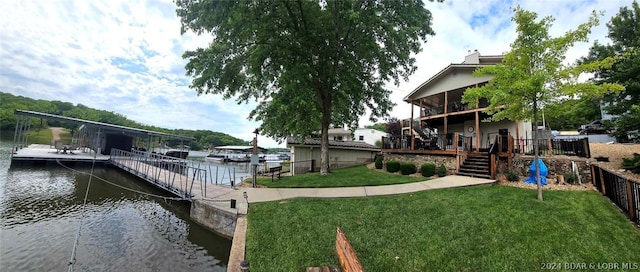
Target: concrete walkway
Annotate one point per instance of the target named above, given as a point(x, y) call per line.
point(275, 194)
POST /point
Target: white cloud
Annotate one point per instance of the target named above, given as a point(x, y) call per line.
point(125, 56)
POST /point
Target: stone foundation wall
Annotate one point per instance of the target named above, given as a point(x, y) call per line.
point(558, 166)
point(418, 160)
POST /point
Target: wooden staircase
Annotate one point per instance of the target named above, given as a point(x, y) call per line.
point(476, 165)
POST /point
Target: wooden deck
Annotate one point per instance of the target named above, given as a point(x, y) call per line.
point(421, 151)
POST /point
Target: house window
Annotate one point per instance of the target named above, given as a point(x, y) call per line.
point(361, 138)
point(337, 138)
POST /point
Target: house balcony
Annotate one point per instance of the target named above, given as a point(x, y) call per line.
point(430, 111)
point(432, 144)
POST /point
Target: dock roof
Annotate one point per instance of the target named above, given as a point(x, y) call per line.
point(104, 126)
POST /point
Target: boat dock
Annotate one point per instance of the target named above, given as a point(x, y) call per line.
point(124, 147)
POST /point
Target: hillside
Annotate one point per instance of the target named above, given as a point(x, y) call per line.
point(9, 103)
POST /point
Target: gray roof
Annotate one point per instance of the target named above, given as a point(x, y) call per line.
point(339, 131)
point(454, 66)
point(334, 144)
point(105, 126)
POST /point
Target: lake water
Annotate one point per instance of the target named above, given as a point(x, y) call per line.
point(41, 207)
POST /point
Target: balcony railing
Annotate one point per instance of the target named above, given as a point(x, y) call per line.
point(455, 106)
point(435, 142)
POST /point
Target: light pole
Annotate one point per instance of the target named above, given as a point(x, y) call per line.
point(255, 160)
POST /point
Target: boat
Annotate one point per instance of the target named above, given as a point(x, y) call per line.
point(181, 154)
point(230, 153)
point(217, 157)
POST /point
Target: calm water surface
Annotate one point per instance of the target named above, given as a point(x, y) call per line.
point(41, 207)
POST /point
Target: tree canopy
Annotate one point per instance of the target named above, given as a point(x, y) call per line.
point(533, 73)
point(308, 64)
point(570, 114)
point(378, 126)
point(9, 103)
point(624, 30)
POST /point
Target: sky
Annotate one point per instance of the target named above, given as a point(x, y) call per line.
point(124, 56)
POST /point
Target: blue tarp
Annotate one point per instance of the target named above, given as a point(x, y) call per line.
point(532, 173)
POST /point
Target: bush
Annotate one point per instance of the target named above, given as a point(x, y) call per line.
point(512, 176)
point(378, 162)
point(407, 168)
point(428, 169)
point(632, 164)
point(393, 166)
point(442, 171)
point(571, 178)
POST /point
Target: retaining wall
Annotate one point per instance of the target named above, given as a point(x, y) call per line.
point(218, 219)
point(448, 161)
point(558, 166)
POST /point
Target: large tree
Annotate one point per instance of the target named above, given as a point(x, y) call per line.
point(308, 64)
point(571, 113)
point(624, 30)
point(533, 73)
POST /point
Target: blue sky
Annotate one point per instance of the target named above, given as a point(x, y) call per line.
point(125, 56)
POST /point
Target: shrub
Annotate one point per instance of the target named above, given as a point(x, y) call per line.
point(393, 166)
point(632, 164)
point(512, 176)
point(428, 169)
point(407, 168)
point(442, 171)
point(571, 178)
point(378, 162)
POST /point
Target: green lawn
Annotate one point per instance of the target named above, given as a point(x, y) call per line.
point(40, 136)
point(495, 228)
point(44, 136)
point(352, 176)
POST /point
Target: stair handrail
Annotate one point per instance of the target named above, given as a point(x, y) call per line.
point(493, 148)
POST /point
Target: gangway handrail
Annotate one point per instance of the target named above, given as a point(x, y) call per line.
point(170, 173)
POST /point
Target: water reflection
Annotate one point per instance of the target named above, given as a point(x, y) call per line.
point(40, 209)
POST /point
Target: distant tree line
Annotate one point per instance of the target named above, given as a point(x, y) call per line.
point(9, 103)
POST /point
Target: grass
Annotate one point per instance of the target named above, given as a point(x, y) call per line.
point(496, 228)
point(352, 176)
point(44, 136)
point(40, 136)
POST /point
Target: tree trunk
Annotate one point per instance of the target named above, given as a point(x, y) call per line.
point(536, 147)
point(324, 141)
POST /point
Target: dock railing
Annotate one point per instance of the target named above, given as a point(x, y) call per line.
point(172, 174)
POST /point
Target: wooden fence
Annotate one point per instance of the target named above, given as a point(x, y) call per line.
point(624, 192)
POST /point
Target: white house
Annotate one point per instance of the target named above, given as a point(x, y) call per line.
point(340, 134)
point(305, 155)
point(368, 135)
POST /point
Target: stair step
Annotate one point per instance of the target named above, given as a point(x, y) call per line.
point(476, 165)
point(478, 157)
point(467, 170)
point(475, 175)
point(475, 169)
point(478, 162)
